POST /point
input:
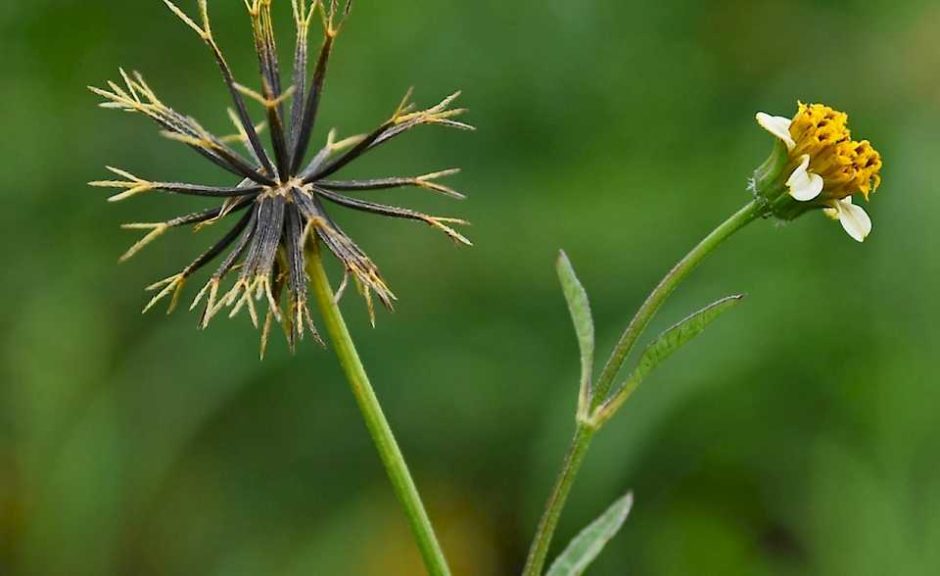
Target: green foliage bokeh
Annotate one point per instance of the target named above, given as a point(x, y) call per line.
point(797, 436)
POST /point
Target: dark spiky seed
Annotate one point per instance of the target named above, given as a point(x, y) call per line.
point(284, 198)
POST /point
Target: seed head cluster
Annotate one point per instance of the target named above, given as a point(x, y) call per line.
point(279, 199)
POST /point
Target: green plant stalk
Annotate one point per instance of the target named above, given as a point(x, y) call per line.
point(661, 293)
point(378, 426)
point(538, 552)
point(587, 429)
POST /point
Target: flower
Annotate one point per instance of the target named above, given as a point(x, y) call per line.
point(824, 167)
point(279, 202)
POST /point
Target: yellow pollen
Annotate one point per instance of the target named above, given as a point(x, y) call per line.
point(848, 167)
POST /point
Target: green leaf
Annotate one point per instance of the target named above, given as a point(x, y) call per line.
point(587, 545)
point(680, 334)
point(580, 310)
point(661, 348)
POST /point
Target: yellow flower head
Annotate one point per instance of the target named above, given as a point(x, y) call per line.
point(846, 166)
point(825, 166)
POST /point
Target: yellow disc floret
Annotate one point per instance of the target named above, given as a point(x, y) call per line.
point(847, 167)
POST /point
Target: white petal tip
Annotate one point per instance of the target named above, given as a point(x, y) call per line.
point(803, 184)
point(778, 126)
point(854, 220)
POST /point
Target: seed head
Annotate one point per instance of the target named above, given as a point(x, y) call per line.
point(279, 197)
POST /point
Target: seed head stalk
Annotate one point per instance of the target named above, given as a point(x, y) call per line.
point(282, 203)
point(375, 420)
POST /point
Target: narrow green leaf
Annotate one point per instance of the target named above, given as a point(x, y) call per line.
point(587, 545)
point(680, 334)
point(661, 348)
point(580, 310)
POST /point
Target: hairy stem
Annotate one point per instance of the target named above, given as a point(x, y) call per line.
point(586, 430)
point(378, 426)
point(556, 502)
point(661, 293)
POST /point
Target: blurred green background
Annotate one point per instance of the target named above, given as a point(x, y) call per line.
point(798, 436)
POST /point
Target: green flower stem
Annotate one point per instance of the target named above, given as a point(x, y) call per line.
point(379, 429)
point(587, 429)
point(556, 502)
point(658, 296)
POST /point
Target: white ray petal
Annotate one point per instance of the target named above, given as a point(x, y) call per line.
point(854, 219)
point(778, 126)
point(803, 184)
